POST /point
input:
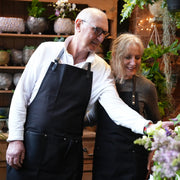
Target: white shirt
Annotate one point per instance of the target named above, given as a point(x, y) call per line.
point(103, 89)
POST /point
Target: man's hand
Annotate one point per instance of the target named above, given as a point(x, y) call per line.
point(168, 124)
point(15, 154)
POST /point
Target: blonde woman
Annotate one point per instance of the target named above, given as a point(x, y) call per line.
point(116, 157)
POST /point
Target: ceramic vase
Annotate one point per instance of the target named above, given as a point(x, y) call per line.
point(4, 57)
point(10, 24)
point(17, 57)
point(27, 54)
point(5, 80)
point(16, 78)
point(36, 25)
point(63, 26)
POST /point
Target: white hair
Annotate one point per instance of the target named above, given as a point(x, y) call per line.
point(89, 13)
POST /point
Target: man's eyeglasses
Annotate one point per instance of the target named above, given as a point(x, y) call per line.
point(98, 31)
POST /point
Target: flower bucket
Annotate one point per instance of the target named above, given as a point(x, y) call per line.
point(63, 26)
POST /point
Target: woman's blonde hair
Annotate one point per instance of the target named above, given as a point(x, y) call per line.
point(120, 48)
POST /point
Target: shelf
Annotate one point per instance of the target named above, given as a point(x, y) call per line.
point(6, 91)
point(12, 67)
point(36, 35)
point(31, 35)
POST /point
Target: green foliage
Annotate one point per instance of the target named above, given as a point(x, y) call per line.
point(151, 70)
point(129, 6)
point(29, 47)
point(108, 56)
point(9, 51)
point(36, 9)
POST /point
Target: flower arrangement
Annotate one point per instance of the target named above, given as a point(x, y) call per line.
point(166, 145)
point(64, 9)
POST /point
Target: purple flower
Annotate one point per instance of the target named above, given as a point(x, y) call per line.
point(168, 132)
point(57, 13)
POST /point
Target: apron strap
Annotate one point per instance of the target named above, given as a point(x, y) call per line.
point(134, 90)
point(89, 70)
point(56, 61)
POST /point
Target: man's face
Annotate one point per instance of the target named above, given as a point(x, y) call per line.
point(93, 33)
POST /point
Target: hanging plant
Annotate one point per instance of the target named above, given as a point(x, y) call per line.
point(129, 6)
point(150, 69)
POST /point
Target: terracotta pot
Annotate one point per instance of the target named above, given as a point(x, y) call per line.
point(173, 5)
point(4, 57)
point(36, 25)
point(63, 26)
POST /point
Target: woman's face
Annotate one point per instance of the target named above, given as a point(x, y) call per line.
point(132, 61)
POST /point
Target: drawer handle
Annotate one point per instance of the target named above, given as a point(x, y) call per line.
point(85, 150)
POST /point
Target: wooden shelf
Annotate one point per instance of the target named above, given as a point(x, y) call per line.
point(12, 67)
point(110, 7)
point(36, 35)
point(31, 35)
point(6, 91)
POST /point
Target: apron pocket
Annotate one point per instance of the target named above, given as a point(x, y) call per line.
point(34, 149)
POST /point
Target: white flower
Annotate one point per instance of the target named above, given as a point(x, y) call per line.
point(73, 6)
point(177, 129)
point(154, 127)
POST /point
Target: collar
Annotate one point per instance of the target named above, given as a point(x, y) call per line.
point(90, 57)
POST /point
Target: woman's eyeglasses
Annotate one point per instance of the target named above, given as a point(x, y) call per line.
point(98, 31)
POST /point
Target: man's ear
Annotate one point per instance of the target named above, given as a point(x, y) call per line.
point(78, 24)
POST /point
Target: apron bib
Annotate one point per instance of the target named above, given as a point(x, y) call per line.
point(114, 144)
point(54, 125)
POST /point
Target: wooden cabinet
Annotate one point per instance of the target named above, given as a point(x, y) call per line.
point(88, 147)
point(3, 147)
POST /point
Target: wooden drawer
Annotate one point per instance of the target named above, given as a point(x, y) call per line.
point(88, 146)
point(3, 147)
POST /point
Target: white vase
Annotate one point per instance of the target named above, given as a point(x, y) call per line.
point(63, 26)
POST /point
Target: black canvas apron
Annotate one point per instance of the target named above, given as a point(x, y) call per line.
point(54, 125)
point(114, 144)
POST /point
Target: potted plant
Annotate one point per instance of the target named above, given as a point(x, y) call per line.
point(35, 22)
point(27, 52)
point(4, 57)
point(129, 6)
point(64, 15)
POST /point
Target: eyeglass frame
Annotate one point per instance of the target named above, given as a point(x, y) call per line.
point(96, 29)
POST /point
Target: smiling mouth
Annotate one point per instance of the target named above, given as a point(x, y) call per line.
point(131, 68)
